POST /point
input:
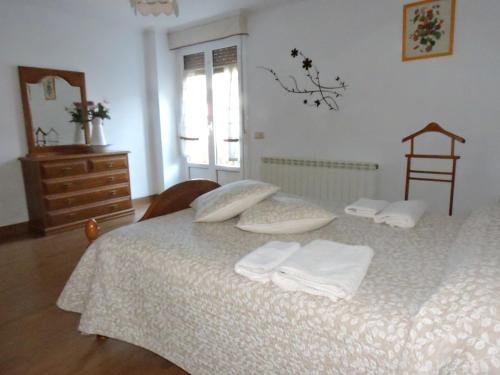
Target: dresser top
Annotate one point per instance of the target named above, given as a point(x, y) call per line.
point(49, 157)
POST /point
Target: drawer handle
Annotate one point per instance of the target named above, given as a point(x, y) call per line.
point(70, 201)
point(67, 185)
point(113, 207)
point(112, 193)
point(70, 215)
point(111, 179)
point(110, 164)
point(67, 169)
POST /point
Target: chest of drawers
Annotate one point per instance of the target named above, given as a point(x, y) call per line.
point(64, 191)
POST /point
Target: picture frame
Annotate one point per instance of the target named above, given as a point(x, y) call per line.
point(428, 29)
point(49, 88)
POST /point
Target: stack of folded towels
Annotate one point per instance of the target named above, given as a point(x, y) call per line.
point(324, 268)
point(402, 214)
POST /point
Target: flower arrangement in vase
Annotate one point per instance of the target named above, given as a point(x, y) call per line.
point(77, 118)
point(98, 113)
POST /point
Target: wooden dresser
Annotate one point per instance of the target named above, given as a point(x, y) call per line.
point(63, 191)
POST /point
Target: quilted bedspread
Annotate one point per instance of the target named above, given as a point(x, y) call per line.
point(428, 304)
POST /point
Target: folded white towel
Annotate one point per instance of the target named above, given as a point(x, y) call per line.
point(365, 207)
point(261, 263)
point(325, 268)
point(403, 214)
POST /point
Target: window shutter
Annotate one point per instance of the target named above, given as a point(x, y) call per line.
point(220, 29)
point(195, 63)
point(225, 56)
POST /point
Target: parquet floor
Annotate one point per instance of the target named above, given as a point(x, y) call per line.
point(36, 337)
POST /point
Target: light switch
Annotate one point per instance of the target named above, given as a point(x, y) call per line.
point(258, 135)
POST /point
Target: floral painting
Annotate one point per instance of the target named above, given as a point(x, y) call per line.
point(428, 29)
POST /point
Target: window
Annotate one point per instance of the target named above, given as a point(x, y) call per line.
point(210, 118)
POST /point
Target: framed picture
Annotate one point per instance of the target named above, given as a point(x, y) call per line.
point(428, 29)
point(49, 88)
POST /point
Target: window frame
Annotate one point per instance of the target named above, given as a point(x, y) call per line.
point(207, 49)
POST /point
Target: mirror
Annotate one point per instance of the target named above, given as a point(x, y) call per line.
point(49, 101)
point(48, 97)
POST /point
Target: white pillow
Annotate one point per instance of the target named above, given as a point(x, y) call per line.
point(230, 200)
point(284, 215)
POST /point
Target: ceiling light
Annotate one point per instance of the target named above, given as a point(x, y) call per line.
point(155, 7)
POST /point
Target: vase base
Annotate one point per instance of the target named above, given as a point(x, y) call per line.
point(98, 148)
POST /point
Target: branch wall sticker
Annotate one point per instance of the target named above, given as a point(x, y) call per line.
point(316, 93)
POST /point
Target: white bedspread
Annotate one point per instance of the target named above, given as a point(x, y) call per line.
point(168, 285)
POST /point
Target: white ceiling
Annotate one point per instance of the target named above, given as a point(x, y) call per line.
point(120, 11)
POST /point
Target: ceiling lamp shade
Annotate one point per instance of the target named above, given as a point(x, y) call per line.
point(155, 7)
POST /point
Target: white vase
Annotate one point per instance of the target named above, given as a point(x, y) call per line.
point(98, 137)
point(79, 137)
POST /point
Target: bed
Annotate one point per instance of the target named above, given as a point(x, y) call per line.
point(428, 303)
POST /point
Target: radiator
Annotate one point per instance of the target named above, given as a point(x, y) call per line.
point(329, 181)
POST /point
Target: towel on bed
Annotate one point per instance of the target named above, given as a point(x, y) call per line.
point(365, 207)
point(403, 214)
point(325, 268)
point(261, 263)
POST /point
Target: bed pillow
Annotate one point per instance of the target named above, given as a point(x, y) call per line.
point(230, 200)
point(283, 214)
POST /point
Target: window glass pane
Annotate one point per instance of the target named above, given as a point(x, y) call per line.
point(194, 126)
point(226, 107)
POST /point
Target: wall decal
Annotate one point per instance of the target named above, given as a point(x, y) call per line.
point(316, 94)
point(428, 29)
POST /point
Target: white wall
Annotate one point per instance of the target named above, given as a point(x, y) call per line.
point(386, 99)
point(360, 40)
point(162, 100)
point(113, 59)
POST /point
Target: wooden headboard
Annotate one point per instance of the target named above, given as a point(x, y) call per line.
point(174, 199)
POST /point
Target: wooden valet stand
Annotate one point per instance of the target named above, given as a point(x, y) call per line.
point(432, 127)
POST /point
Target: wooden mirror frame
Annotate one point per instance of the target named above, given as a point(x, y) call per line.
point(32, 75)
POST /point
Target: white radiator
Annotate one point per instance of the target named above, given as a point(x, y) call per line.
point(329, 181)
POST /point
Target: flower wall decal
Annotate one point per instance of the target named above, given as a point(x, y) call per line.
point(317, 93)
point(307, 64)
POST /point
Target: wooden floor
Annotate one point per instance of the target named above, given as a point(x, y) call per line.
point(38, 338)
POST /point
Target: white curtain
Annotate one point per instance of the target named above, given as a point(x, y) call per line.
point(194, 121)
point(226, 115)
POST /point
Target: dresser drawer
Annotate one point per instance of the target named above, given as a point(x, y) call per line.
point(61, 218)
point(108, 164)
point(58, 203)
point(54, 170)
point(80, 183)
